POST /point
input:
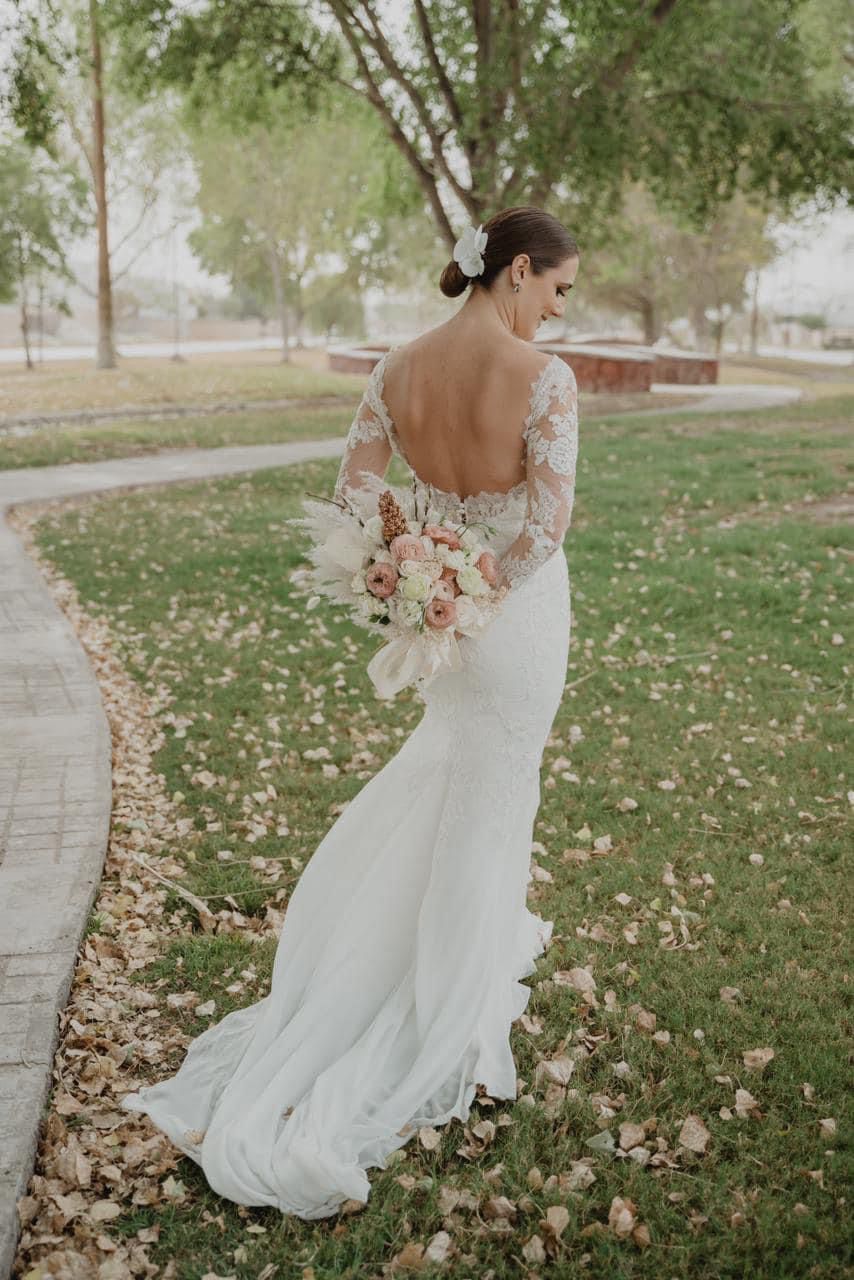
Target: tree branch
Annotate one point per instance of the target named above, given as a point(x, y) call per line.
point(378, 42)
point(423, 172)
point(442, 80)
point(617, 72)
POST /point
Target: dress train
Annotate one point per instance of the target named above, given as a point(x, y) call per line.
point(397, 973)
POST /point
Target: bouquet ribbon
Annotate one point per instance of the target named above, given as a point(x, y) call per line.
point(407, 658)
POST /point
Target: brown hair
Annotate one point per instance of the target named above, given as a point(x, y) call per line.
point(523, 228)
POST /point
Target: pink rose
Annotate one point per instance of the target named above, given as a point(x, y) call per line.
point(441, 533)
point(440, 614)
point(381, 579)
point(488, 565)
point(406, 546)
point(443, 590)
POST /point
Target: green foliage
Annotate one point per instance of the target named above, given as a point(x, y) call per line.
point(555, 103)
point(41, 208)
point(275, 210)
point(659, 267)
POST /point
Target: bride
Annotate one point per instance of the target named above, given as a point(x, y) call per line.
point(396, 976)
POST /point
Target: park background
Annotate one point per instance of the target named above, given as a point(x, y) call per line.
point(249, 186)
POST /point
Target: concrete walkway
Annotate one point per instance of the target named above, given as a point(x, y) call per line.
point(719, 398)
point(55, 781)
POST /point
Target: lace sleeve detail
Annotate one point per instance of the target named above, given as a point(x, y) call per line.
point(367, 447)
point(551, 451)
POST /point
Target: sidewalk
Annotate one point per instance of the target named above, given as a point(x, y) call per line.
point(55, 778)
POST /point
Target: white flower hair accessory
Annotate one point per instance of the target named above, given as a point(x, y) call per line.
point(468, 250)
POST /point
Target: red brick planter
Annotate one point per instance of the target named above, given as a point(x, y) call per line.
point(596, 368)
point(687, 368)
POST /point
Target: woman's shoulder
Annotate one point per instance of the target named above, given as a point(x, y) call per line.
point(513, 367)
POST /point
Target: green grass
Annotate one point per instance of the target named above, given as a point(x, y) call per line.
point(63, 386)
point(99, 441)
point(704, 619)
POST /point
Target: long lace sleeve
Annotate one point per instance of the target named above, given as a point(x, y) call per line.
point(551, 444)
point(367, 447)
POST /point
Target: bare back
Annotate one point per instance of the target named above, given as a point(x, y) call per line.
point(459, 411)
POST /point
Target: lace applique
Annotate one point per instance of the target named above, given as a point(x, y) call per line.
point(551, 439)
point(367, 447)
point(541, 504)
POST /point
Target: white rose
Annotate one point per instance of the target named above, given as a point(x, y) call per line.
point(374, 528)
point(471, 582)
point(414, 526)
point(456, 559)
point(379, 607)
point(408, 567)
point(357, 582)
point(364, 605)
point(469, 539)
point(383, 556)
point(416, 586)
point(409, 612)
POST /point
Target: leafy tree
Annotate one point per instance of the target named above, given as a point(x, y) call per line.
point(659, 268)
point(41, 207)
point(67, 97)
point(542, 101)
point(276, 212)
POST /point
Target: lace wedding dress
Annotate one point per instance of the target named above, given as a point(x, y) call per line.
point(396, 976)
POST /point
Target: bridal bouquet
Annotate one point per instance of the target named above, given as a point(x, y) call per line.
point(410, 576)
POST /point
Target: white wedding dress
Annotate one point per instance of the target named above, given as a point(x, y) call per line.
point(396, 976)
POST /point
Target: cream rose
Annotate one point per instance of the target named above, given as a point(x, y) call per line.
point(455, 559)
point(408, 612)
point(471, 581)
point(416, 586)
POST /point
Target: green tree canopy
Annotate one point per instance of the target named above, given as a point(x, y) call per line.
point(295, 207)
point(543, 101)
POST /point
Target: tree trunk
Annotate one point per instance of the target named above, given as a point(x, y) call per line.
point(701, 325)
point(649, 321)
point(106, 358)
point(281, 307)
point(754, 316)
point(719, 326)
point(299, 316)
point(25, 314)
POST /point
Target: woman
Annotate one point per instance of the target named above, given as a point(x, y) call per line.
point(396, 977)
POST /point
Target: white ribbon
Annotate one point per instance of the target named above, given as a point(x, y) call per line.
point(412, 657)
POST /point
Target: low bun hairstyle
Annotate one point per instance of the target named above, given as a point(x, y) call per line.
point(523, 228)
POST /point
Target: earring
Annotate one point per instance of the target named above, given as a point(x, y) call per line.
point(516, 287)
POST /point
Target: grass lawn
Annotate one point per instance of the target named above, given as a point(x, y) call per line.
point(709, 682)
point(98, 442)
point(62, 386)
